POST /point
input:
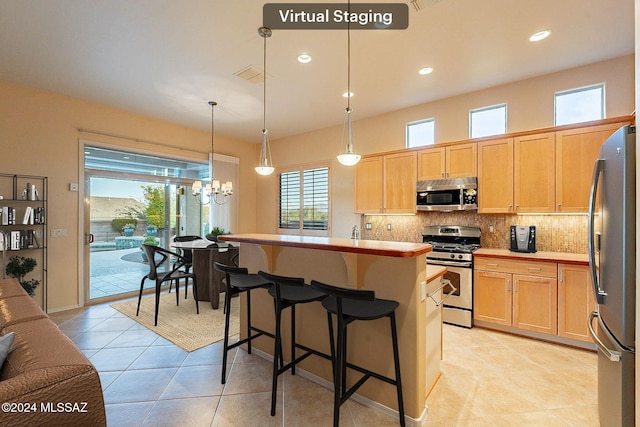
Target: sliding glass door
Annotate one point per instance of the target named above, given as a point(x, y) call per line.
point(133, 198)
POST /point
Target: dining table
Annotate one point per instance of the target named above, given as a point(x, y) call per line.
point(205, 253)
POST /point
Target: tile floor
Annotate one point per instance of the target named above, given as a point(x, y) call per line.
point(488, 379)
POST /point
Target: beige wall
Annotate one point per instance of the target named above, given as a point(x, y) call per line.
point(38, 136)
point(529, 106)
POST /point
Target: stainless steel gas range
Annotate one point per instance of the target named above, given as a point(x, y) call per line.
point(453, 247)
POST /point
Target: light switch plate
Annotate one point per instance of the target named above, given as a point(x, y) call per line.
point(388, 226)
point(73, 186)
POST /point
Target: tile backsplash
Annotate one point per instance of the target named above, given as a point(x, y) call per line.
point(554, 233)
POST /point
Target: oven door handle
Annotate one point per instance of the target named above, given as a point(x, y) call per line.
point(445, 282)
point(466, 264)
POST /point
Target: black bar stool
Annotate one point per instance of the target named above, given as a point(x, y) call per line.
point(239, 280)
point(349, 305)
point(287, 292)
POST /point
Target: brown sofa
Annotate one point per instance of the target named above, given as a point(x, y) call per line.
point(45, 380)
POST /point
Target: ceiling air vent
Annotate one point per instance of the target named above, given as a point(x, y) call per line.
point(250, 73)
point(418, 5)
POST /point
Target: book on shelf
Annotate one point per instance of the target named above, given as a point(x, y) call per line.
point(28, 216)
point(15, 240)
point(38, 215)
point(8, 215)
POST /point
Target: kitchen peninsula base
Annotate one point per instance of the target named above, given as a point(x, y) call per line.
point(393, 270)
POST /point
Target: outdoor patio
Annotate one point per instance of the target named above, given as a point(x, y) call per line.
point(117, 271)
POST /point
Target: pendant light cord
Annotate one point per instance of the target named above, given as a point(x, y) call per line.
point(264, 86)
point(349, 59)
point(213, 128)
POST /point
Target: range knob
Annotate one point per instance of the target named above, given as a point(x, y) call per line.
point(452, 256)
point(459, 256)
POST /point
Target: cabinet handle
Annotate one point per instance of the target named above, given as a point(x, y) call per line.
point(442, 174)
point(447, 174)
point(559, 205)
point(508, 285)
point(491, 264)
point(560, 275)
point(515, 286)
point(509, 207)
point(534, 268)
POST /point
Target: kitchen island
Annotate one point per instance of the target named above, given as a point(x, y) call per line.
point(394, 270)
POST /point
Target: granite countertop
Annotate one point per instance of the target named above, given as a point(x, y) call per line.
point(367, 247)
point(564, 257)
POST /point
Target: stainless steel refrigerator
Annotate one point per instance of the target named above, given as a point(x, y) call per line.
point(612, 261)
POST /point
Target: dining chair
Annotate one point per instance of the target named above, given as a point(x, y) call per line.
point(187, 262)
point(157, 256)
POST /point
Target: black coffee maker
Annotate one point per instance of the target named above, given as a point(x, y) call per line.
point(523, 238)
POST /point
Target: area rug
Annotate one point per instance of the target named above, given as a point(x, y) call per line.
point(180, 324)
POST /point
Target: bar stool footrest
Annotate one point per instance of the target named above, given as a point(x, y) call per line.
point(259, 333)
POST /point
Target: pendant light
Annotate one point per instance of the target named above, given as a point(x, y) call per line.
point(349, 157)
point(213, 191)
point(265, 164)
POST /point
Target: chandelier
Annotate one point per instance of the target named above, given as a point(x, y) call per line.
point(212, 191)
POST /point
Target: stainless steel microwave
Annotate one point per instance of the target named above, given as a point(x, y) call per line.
point(455, 194)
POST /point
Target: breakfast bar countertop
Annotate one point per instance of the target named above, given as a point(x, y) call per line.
point(563, 257)
point(367, 247)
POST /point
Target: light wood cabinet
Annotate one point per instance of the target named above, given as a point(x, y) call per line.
point(492, 300)
point(534, 173)
point(495, 176)
point(575, 301)
point(368, 181)
point(505, 296)
point(576, 152)
point(535, 303)
point(453, 161)
point(399, 183)
point(386, 184)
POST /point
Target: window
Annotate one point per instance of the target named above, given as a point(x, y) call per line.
point(421, 133)
point(304, 201)
point(488, 121)
point(579, 105)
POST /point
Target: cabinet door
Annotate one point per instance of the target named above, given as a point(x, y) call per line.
point(462, 160)
point(575, 301)
point(535, 303)
point(492, 297)
point(368, 183)
point(534, 173)
point(400, 176)
point(431, 164)
point(495, 176)
point(576, 152)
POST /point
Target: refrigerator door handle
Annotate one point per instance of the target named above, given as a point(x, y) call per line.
point(612, 355)
point(597, 171)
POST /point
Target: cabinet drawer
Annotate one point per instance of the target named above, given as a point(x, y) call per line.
point(531, 268)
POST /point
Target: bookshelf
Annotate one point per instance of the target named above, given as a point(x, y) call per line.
point(23, 226)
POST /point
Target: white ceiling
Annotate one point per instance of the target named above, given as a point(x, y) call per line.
point(168, 58)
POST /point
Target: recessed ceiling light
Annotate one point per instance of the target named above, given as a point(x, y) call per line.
point(347, 94)
point(425, 70)
point(540, 35)
point(304, 58)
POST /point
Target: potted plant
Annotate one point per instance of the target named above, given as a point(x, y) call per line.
point(128, 229)
point(19, 267)
point(151, 241)
point(215, 232)
point(152, 230)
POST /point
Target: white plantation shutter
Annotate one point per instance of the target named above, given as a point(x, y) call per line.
point(304, 201)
